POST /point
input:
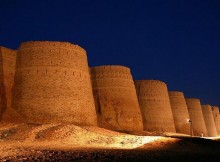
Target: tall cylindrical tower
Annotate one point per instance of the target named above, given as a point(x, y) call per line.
point(195, 113)
point(209, 120)
point(180, 112)
point(216, 116)
point(155, 106)
point(115, 98)
point(52, 84)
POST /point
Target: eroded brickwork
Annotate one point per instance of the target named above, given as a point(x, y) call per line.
point(155, 106)
point(209, 120)
point(180, 112)
point(7, 63)
point(52, 84)
point(115, 98)
point(196, 115)
point(216, 116)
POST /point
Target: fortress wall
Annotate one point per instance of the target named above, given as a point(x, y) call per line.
point(216, 116)
point(155, 106)
point(52, 84)
point(209, 120)
point(180, 112)
point(115, 98)
point(196, 115)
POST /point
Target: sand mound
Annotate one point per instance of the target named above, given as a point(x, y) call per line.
point(68, 136)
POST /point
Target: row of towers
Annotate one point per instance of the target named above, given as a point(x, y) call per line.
point(50, 82)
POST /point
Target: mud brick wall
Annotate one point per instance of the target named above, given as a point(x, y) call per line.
point(196, 115)
point(180, 112)
point(155, 106)
point(209, 120)
point(216, 116)
point(52, 84)
point(115, 98)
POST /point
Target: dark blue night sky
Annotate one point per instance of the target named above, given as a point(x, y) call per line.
point(176, 41)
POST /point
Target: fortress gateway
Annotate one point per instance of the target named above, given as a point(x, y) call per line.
point(50, 82)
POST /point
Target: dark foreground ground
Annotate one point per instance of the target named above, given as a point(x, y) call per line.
point(186, 150)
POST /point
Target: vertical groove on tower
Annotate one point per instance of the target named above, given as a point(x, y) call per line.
point(209, 120)
point(52, 84)
point(180, 112)
point(216, 116)
point(8, 61)
point(115, 98)
point(196, 115)
point(155, 106)
point(2, 87)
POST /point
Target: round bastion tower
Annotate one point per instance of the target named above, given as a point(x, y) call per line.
point(115, 98)
point(196, 115)
point(155, 106)
point(216, 116)
point(52, 84)
point(180, 112)
point(209, 120)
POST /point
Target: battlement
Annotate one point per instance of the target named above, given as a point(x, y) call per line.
point(149, 82)
point(193, 102)
point(215, 109)
point(50, 44)
point(7, 49)
point(176, 94)
point(110, 71)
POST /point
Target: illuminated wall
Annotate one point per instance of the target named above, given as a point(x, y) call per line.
point(180, 112)
point(209, 120)
point(155, 106)
point(7, 72)
point(52, 84)
point(115, 98)
point(196, 115)
point(216, 116)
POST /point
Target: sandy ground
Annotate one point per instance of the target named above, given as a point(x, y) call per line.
point(53, 142)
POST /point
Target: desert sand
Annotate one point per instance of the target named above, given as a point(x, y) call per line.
point(54, 142)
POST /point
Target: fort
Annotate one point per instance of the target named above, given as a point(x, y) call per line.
point(45, 82)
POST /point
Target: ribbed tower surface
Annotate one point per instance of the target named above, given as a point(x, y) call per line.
point(216, 116)
point(209, 120)
point(115, 98)
point(196, 115)
point(52, 84)
point(155, 106)
point(180, 112)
